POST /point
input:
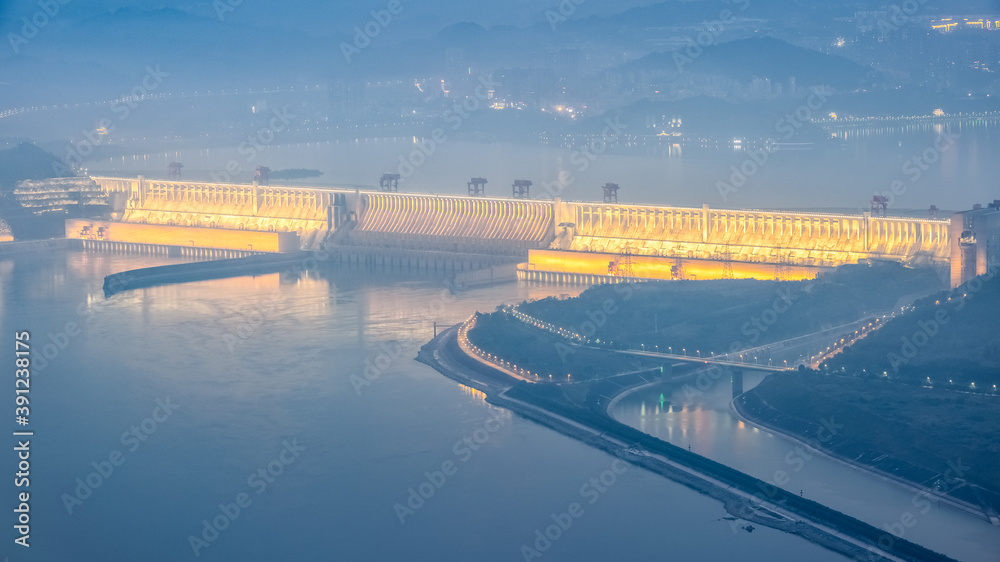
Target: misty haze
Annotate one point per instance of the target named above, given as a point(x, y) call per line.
point(560, 280)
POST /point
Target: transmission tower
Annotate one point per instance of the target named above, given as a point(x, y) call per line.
point(727, 264)
point(626, 264)
point(780, 270)
point(622, 265)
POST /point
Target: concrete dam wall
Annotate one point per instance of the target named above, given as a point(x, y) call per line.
point(610, 235)
point(452, 223)
point(808, 239)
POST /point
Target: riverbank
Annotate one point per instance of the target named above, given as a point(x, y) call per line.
point(743, 496)
point(921, 459)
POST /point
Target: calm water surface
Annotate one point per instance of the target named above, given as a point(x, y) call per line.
point(290, 379)
point(955, 167)
point(703, 421)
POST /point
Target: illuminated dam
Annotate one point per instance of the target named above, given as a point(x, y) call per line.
point(558, 241)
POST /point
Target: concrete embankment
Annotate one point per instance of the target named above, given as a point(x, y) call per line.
point(30, 246)
point(200, 271)
point(753, 409)
point(743, 496)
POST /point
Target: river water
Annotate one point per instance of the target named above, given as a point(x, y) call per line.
point(247, 365)
point(255, 363)
point(950, 165)
point(703, 421)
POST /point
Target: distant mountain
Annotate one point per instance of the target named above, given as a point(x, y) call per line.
point(465, 32)
point(761, 57)
point(26, 162)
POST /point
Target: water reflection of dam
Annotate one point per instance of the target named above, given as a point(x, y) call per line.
point(563, 240)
